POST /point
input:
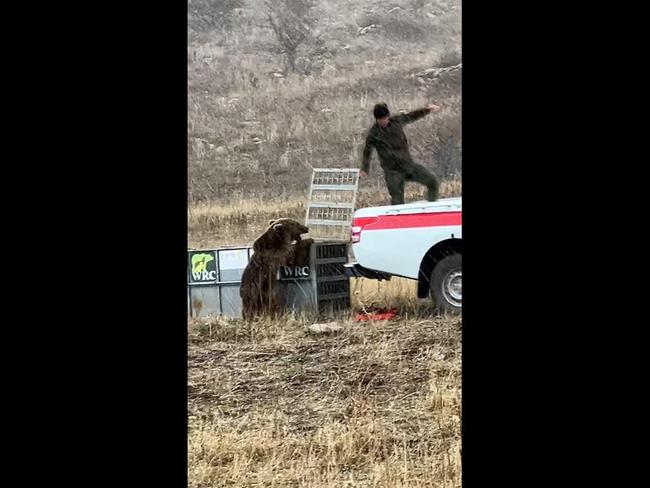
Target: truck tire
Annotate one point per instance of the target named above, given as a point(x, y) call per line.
point(446, 284)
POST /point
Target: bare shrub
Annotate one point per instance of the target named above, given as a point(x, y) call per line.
point(292, 22)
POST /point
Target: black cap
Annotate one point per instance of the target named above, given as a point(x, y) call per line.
point(380, 111)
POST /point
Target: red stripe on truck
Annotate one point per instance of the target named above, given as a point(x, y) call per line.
point(408, 221)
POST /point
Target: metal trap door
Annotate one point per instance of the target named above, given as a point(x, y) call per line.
point(332, 197)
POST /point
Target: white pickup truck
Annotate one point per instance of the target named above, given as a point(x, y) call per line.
point(421, 241)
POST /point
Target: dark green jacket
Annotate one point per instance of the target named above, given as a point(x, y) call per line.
point(391, 143)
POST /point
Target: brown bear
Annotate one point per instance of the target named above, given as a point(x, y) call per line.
point(299, 254)
point(275, 248)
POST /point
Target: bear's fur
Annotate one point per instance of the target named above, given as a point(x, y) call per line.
point(299, 254)
point(279, 245)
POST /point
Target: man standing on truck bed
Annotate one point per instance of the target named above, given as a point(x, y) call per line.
point(388, 138)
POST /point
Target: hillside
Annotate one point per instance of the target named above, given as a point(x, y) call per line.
point(256, 128)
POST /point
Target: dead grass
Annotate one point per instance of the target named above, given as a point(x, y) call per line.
point(213, 224)
point(373, 405)
point(250, 128)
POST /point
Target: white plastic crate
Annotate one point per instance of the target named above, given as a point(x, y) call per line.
point(332, 197)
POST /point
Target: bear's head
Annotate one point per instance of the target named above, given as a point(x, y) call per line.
point(280, 234)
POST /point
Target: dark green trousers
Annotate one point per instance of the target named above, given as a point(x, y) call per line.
point(395, 181)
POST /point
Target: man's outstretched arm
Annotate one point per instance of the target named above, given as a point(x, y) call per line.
point(416, 114)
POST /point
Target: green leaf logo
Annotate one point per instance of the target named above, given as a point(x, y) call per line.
point(200, 262)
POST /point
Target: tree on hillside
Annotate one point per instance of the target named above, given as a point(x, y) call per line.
point(207, 15)
point(292, 22)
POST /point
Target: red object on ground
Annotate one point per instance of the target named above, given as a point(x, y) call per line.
point(376, 314)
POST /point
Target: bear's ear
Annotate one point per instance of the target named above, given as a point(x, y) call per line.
point(271, 222)
point(277, 226)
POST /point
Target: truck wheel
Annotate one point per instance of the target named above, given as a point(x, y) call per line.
point(447, 284)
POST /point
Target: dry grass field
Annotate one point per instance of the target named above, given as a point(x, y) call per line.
point(239, 222)
point(374, 404)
